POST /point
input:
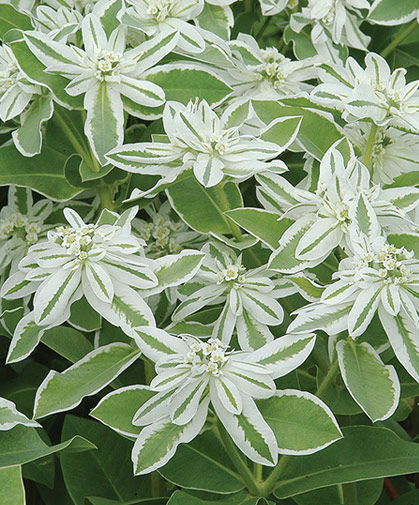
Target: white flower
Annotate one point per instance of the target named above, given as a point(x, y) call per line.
point(197, 138)
point(335, 20)
point(109, 76)
point(192, 373)
point(21, 225)
point(272, 7)
point(60, 24)
point(372, 93)
point(265, 73)
point(322, 217)
point(248, 296)
point(101, 262)
point(167, 16)
point(15, 90)
point(394, 152)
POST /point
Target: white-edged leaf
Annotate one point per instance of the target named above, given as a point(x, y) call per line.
point(26, 337)
point(284, 354)
point(158, 442)
point(317, 316)
point(363, 309)
point(373, 385)
point(10, 416)
point(302, 423)
point(63, 391)
point(156, 343)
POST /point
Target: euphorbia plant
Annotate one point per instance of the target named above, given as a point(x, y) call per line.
point(209, 252)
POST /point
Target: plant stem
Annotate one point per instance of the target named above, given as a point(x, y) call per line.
point(105, 192)
point(350, 494)
point(269, 485)
point(248, 5)
point(370, 145)
point(320, 360)
point(258, 471)
point(395, 42)
point(241, 466)
point(330, 376)
point(263, 28)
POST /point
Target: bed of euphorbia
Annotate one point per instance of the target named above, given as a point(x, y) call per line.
point(209, 252)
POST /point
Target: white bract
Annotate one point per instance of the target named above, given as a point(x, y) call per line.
point(60, 24)
point(109, 76)
point(248, 296)
point(322, 216)
point(192, 373)
point(21, 226)
point(16, 91)
point(272, 7)
point(332, 20)
point(373, 93)
point(167, 16)
point(102, 262)
point(198, 139)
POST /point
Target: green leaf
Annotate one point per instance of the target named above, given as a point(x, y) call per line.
point(28, 138)
point(301, 422)
point(365, 452)
point(43, 173)
point(63, 391)
point(261, 223)
point(312, 123)
point(83, 317)
point(367, 492)
point(374, 386)
point(67, 342)
point(22, 444)
point(12, 491)
point(203, 208)
point(282, 131)
point(388, 12)
point(117, 409)
point(214, 19)
point(181, 498)
point(10, 19)
point(105, 473)
point(408, 240)
point(186, 83)
point(10, 416)
point(302, 44)
point(203, 464)
point(172, 270)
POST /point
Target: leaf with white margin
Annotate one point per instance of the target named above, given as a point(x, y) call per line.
point(319, 240)
point(373, 385)
point(390, 13)
point(317, 316)
point(403, 198)
point(26, 337)
point(117, 409)
point(284, 258)
point(261, 306)
point(284, 354)
point(16, 286)
point(249, 431)
point(104, 126)
point(363, 215)
point(403, 336)
point(158, 442)
point(10, 416)
point(128, 309)
point(278, 188)
point(282, 131)
point(28, 138)
point(363, 309)
point(51, 298)
point(184, 403)
point(157, 344)
point(63, 391)
point(302, 423)
point(174, 269)
point(250, 333)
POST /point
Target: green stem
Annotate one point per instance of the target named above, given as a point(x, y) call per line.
point(258, 471)
point(269, 485)
point(370, 145)
point(395, 42)
point(248, 5)
point(105, 192)
point(330, 377)
point(350, 494)
point(320, 360)
point(263, 28)
point(241, 466)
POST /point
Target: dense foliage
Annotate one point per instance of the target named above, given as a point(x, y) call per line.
point(209, 252)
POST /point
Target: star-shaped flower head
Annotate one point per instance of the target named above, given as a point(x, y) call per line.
point(109, 76)
point(198, 139)
point(192, 375)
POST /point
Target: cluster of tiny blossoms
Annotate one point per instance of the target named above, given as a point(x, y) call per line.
point(210, 355)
